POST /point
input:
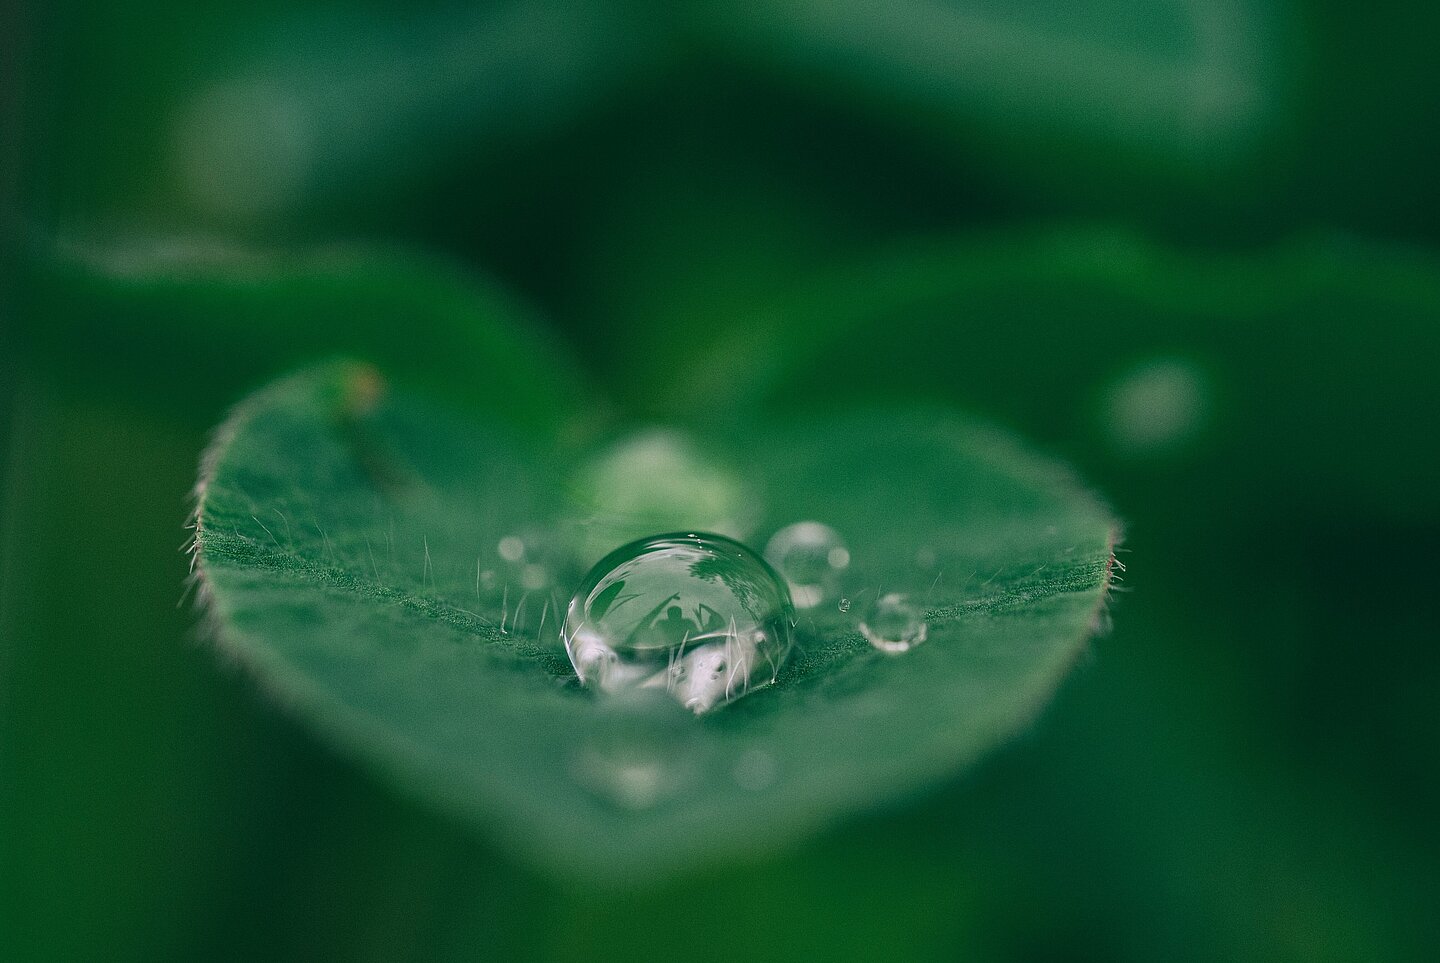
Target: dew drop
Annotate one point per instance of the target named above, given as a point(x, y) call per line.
point(844, 605)
point(811, 556)
point(699, 616)
point(893, 624)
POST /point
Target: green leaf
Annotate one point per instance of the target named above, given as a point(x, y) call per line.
point(1060, 331)
point(203, 118)
point(343, 543)
point(183, 319)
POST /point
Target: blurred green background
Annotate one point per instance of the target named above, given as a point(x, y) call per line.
point(1193, 246)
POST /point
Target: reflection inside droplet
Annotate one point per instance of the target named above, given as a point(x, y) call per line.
point(811, 556)
point(893, 624)
point(698, 616)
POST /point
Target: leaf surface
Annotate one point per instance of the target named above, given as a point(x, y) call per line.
point(349, 544)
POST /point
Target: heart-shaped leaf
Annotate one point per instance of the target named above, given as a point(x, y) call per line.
point(395, 572)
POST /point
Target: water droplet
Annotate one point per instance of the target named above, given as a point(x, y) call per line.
point(893, 624)
point(696, 615)
point(811, 556)
point(844, 605)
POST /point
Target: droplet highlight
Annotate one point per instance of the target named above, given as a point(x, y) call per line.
point(893, 624)
point(698, 616)
point(811, 556)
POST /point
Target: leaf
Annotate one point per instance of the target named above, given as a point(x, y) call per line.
point(186, 319)
point(1048, 328)
point(343, 541)
point(262, 119)
point(323, 115)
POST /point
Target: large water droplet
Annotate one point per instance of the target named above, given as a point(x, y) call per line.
point(811, 556)
point(699, 616)
point(893, 624)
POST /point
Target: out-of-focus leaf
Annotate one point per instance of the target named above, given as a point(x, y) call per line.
point(276, 118)
point(1099, 338)
point(185, 322)
point(1191, 81)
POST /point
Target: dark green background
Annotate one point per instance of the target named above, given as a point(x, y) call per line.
point(714, 210)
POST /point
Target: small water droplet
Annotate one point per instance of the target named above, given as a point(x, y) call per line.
point(696, 615)
point(844, 605)
point(893, 624)
point(811, 556)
